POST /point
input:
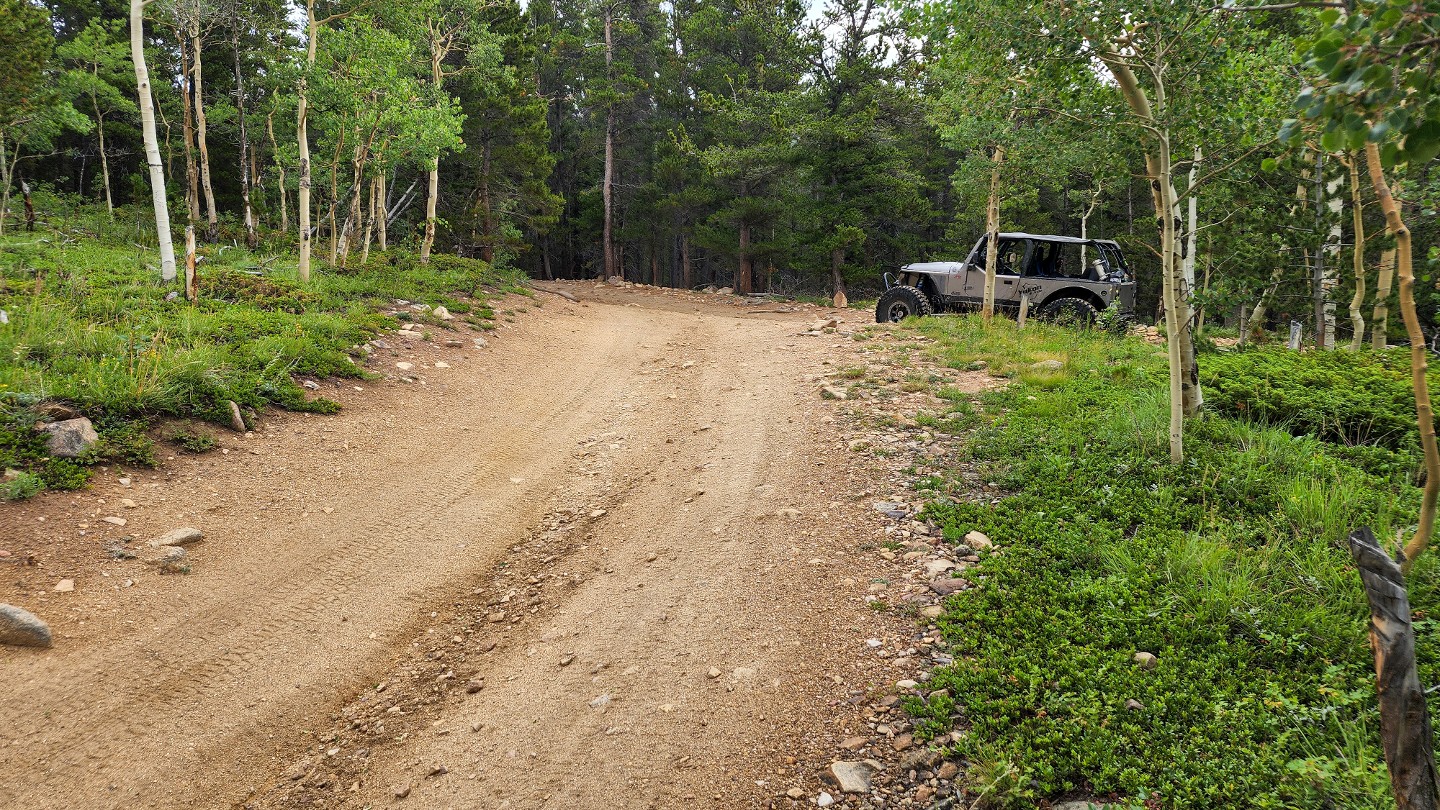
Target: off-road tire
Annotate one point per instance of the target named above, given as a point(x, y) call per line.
point(1070, 310)
point(899, 303)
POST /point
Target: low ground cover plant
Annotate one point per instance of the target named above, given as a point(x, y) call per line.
point(89, 325)
point(1229, 568)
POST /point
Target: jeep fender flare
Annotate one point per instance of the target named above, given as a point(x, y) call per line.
point(1075, 292)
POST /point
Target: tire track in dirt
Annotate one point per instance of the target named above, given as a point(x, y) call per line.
point(201, 691)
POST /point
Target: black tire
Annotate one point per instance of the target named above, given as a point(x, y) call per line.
point(899, 303)
point(1070, 310)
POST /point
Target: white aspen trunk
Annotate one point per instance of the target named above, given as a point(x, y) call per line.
point(369, 225)
point(1184, 384)
point(302, 140)
point(192, 284)
point(1330, 272)
point(383, 214)
point(992, 234)
point(1384, 279)
point(152, 144)
point(432, 196)
point(251, 237)
point(104, 161)
point(212, 221)
point(1192, 225)
point(1357, 215)
point(280, 169)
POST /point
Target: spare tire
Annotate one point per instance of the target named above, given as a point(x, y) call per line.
point(899, 303)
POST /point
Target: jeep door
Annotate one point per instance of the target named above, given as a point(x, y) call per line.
point(1012, 255)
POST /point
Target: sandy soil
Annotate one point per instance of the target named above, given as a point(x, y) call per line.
point(613, 559)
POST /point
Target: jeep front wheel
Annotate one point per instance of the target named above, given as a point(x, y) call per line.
point(1070, 310)
point(899, 303)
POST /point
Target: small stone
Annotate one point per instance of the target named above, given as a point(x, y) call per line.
point(479, 342)
point(127, 503)
point(1134, 705)
point(977, 540)
point(924, 794)
point(442, 364)
point(935, 568)
point(115, 521)
point(442, 313)
point(947, 586)
point(497, 616)
point(171, 560)
point(1146, 660)
point(178, 537)
point(310, 385)
point(404, 366)
point(21, 628)
point(906, 684)
point(402, 791)
point(474, 685)
point(853, 743)
point(851, 777)
point(948, 771)
point(824, 799)
point(1048, 365)
point(932, 611)
point(600, 701)
point(70, 438)
point(567, 659)
point(920, 760)
point(438, 770)
point(832, 392)
point(795, 793)
point(237, 420)
point(902, 742)
point(714, 672)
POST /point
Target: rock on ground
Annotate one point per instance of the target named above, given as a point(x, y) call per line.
point(70, 438)
point(178, 537)
point(852, 777)
point(21, 628)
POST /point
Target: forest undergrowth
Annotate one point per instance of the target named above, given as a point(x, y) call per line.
point(1230, 569)
point(91, 326)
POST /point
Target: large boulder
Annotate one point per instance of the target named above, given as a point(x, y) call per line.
point(22, 628)
point(70, 438)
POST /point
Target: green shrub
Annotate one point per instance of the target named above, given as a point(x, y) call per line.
point(192, 441)
point(1358, 398)
point(25, 485)
point(1229, 568)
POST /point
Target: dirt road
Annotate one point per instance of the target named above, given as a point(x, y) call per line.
point(593, 564)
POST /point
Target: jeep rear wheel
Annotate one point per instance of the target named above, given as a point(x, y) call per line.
point(899, 303)
point(1070, 310)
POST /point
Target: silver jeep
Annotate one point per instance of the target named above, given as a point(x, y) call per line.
point(1064, 278)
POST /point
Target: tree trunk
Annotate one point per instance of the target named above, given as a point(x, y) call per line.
point(607, 190)
point(1357, 215)
point(152, 145)
point(685, 260)
point(192, 284)
point(1424, 415)
point(5, 173)
point(1192, 223)
point(369, 225)
point(280, 169)
point(487, 244)
point(383, 214)
point(1380, 318)
point(212, 222)
point(745, 271)
point(1405, 731)
point(837, 270)
point(432, 196)
point(302, 140)
point(1327, 272)
point(187, 132)
point(104, 160)
point(29, 206)
point(992, 234)
point(251, 237)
